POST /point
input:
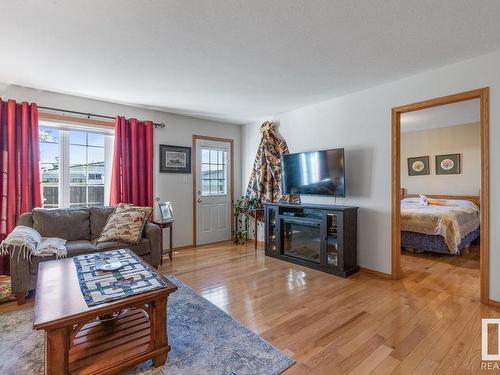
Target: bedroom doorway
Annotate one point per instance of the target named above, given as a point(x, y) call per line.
point(438, 164)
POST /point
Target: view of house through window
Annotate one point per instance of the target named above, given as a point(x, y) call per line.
point(49, 157)
point(74, 165)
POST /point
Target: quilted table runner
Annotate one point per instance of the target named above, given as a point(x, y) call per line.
point(99, 287)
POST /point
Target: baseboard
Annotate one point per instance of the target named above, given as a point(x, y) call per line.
point(377, 273)
point(214, 243)
point(183, 247)
point(493, 303)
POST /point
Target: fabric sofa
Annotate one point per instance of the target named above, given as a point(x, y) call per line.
point(80, 227)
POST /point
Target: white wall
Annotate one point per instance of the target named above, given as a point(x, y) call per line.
point(361, 122)
point(462, 139)
point(173, 187)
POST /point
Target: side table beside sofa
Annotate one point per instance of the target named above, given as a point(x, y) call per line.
point(170, 225)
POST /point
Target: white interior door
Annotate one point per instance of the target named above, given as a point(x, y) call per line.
point(213, 202)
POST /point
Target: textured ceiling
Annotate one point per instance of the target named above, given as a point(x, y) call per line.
point(239, 60)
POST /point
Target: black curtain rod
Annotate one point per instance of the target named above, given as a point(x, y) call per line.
point(89, 115)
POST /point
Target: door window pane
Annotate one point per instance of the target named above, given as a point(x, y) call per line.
point(221, 173)
point(205, 156)
point(214, 171)
point(214, 187)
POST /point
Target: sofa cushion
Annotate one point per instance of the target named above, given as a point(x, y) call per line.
point(142, 248)
point(98, 218)
point(80, 247)
point(67, 223)
point(26, 219)
point(74, 248)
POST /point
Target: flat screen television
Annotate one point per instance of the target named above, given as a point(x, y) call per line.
point(314, 173)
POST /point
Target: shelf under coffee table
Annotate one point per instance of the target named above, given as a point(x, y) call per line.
point(77, 342)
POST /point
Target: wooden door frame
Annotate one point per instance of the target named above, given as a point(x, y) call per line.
point(194, 171)
point(483, 95)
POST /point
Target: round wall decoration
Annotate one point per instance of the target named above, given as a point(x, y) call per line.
point(418, 166)
point(447, 164)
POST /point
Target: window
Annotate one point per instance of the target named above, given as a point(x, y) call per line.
point(49, 157)
point(213, 171)
point(75, 166)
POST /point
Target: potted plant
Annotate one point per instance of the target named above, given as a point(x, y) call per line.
point(242, 208)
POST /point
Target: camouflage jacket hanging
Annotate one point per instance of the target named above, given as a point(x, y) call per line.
point(265, 180)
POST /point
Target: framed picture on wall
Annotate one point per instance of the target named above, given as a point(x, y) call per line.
point(175, 159)
point(448, 164)
point(418, 166)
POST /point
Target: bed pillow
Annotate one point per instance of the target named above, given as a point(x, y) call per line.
point(410, 200)
point(125, 225)
point(423, 200)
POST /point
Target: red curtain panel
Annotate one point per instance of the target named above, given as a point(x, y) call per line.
point(132, 175)
point(20, 186)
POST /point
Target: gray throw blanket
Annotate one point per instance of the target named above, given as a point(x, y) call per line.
point(27, 242)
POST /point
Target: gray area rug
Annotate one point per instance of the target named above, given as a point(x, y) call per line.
point(204, 340)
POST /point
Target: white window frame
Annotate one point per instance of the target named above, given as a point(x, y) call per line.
point(64, 178)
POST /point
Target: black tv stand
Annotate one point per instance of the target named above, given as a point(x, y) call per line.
point(322, 237)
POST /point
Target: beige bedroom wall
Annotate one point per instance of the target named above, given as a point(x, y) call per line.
point(461, 139)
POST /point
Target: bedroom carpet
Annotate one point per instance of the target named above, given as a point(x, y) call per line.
point(204, 340)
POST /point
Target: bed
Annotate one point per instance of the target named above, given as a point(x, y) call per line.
point(447, 225)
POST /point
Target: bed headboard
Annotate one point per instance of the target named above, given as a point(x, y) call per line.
point(472, 198)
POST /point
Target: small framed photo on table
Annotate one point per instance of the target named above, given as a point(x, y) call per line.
point(175, 159)
point(166, 211)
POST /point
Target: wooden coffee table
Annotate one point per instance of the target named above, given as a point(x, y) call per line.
point(76, 342)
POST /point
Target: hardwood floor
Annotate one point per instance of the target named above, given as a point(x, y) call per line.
point(427, 323)
point(456, 275)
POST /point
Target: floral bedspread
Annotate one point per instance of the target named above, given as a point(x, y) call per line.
point(451, 219)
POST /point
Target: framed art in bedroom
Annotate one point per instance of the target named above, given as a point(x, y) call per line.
point(448, 164)
point(175, 159)
point(418, 166)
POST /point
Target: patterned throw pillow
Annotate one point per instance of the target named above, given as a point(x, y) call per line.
point(122, 207)
point(125, 225)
